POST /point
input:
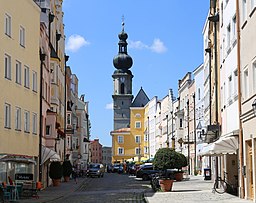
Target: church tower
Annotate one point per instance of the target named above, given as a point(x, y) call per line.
point(122, 78)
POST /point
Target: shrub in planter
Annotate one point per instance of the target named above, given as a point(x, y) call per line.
point(67, 170)
point(55, 172)
point(166, 158)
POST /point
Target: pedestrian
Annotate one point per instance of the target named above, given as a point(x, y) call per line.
point(74, 175)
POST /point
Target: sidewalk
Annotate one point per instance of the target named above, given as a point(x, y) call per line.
point(192, 191)
point(50, 194)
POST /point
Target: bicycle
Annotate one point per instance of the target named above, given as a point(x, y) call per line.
point(154, 182)
point(222, 185)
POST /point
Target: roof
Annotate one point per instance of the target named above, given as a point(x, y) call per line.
point(141, 99)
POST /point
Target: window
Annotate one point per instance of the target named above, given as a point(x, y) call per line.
point(26, 121)
point(120, 139)
point(7, 115)
point(122, 88)
point(181, 123)
point(26, 76)
point(34, 123)
point(199, 96)
point(18, 119)
point(137, 150)
point(7, 66)
point(137, 124)
point(145, 150)
point(244, 10)
point(228, 37)
point(137, 138)
point(120, 150)
point(254, 75)
point(234, 28)
point(18, 72)
point(229, 87)
point(236, 83)
point(146, 138)
point(253, 4)
point(69, 119)
point(8, 25)
point(246, 85)
point(34, 81)
point(22, 36)
point(48, 130)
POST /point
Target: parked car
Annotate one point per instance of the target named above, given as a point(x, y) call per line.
point(145, 171)
point(117, 167)
point(95, 169)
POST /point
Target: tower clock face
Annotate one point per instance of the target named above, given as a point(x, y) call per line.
point(122, 79)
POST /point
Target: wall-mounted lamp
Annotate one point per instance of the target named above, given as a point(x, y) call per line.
point(254, 107)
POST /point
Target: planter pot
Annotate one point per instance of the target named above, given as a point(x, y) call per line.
point(166, 185)
point(55, 182)
point(179, 176)
point(66, 178)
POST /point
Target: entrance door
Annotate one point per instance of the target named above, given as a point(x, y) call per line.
point(250, 170)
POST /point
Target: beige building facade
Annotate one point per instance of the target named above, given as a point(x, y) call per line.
point(19, 52)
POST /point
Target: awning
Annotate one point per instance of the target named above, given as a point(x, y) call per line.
point(225, 145)
point(17, 158)
point(48, 153)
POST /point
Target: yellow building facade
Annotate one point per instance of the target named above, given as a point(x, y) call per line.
point(19, 81)
point(129, 143)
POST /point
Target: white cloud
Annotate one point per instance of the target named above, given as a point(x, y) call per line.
point(75, 42)
point(157, 46)
point(109, 106)
point(137, 45)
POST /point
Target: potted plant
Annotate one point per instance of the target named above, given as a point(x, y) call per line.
point(55, 172)
point(181, 162)
point(166, 158)
point(67, 170)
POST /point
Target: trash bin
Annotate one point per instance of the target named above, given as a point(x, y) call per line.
point(207, 174)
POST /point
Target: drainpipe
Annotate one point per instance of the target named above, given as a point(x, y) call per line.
point(241, 150)
point(42, 58)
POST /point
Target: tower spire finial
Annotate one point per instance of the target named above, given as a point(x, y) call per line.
point(123, 23)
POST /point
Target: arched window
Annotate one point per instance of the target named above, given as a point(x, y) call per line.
point(122, 88)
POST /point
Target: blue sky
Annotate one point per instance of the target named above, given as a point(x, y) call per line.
point(164, 39)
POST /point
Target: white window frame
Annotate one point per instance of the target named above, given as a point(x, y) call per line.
point(137, 124)
point(233, 27)
point(236, 83)
point(68, 118)
point(137, 150)
point(26, 121)
point(244, 10)
point(34, 81)
point(228, 39)
point(253, 4)
point(18, 118)
point(34, 123)
point(120, 139)
point(120, 151)
point(8, 67)
point(18, 72)
point(145, 150)
point(22, 36)
point(26, 76)
point(246, 83)
point(7, 115)
point(8, 25)
point(138, 139)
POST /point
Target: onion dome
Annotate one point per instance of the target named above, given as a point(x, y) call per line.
point(122, 60)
